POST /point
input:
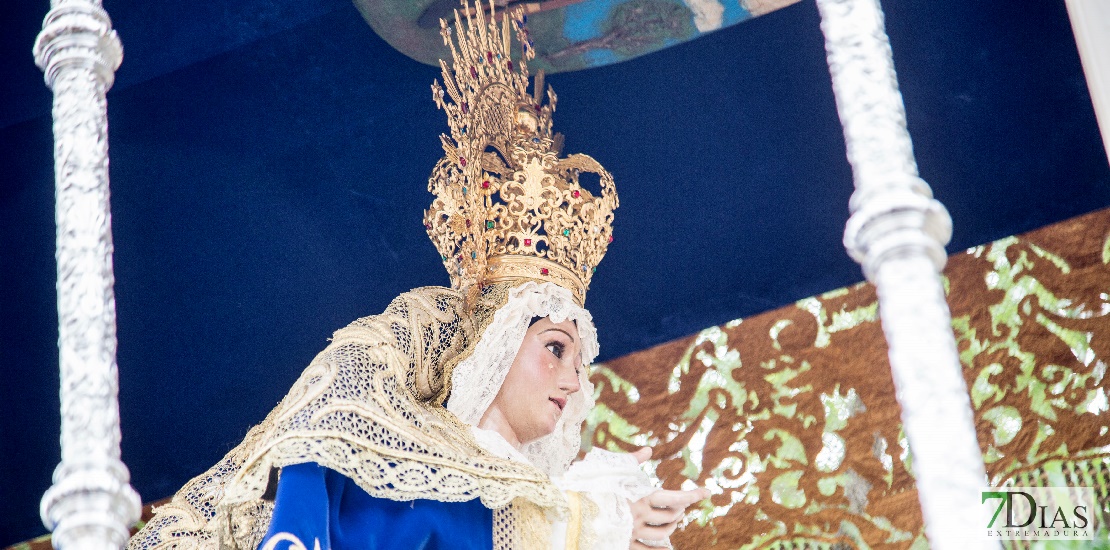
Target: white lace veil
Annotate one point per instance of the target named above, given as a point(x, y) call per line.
point(476, 380)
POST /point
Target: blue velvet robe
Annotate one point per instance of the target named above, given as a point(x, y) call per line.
point(315, 503)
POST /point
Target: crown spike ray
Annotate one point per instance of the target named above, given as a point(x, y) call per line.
point(505, 40)
point(507, 207)
point(480, 15)
point(537, 87)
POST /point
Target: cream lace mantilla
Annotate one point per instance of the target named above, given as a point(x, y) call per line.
point(479, 377)
point(369, 407)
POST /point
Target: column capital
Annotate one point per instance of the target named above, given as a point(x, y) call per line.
point(893, 219)
point(78, 33)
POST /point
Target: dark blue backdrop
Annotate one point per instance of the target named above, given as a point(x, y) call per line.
point(269, 162)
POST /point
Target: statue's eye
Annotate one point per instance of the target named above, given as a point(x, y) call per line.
point(556, 349)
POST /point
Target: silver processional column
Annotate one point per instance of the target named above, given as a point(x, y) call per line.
point(897, 231)
point(91, 504)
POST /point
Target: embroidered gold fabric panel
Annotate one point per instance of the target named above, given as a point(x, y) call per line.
point(790, 417)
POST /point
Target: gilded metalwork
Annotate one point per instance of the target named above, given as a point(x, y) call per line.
point(501, 189)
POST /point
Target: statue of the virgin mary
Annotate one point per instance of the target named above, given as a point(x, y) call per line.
point(453, 419)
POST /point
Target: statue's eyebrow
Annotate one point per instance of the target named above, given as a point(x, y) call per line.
point(572, 338)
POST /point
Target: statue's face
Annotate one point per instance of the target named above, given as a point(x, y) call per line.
point(538, 386)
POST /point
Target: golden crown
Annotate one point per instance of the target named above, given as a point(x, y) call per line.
point(507, 207)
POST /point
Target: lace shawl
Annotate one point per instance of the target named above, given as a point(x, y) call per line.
point(369, 406)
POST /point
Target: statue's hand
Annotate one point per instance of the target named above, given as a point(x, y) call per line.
point(657, 515)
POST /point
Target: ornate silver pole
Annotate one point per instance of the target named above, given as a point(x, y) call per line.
point(1090, 22)
point(91, 504)
point(897, 231)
